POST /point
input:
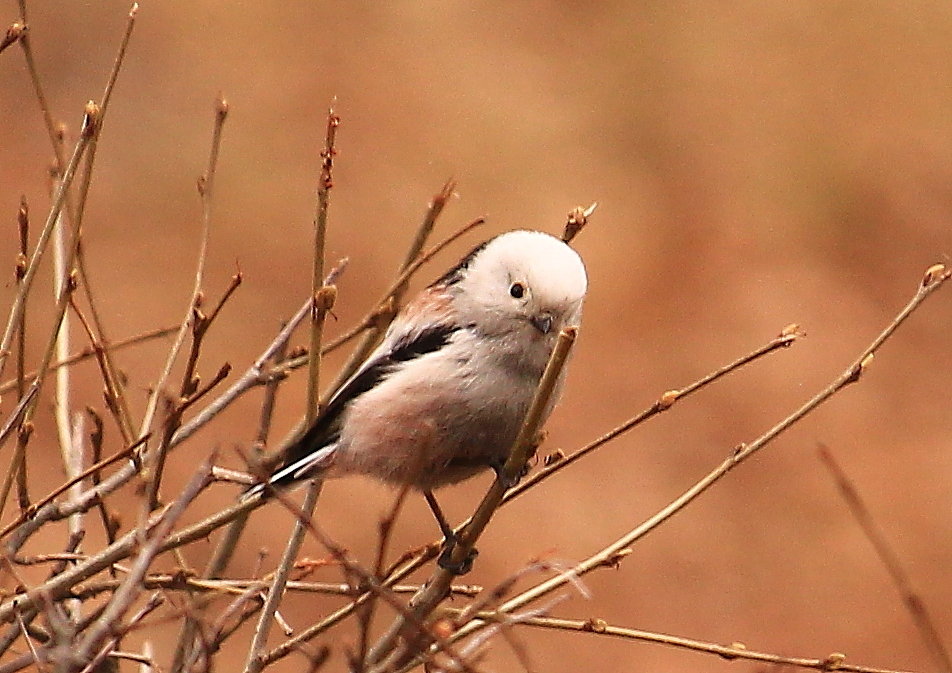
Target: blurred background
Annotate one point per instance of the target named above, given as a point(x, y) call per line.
point(756, 164)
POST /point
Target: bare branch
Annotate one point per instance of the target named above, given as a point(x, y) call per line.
point(834, 662)
point(914, 603)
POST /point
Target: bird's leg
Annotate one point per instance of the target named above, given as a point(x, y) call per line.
point(507, 483)
point(449, 540)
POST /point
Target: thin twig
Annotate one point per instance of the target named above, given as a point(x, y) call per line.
point(114, 387)
point(125, 594)
point(153, 470)
point(19, 463)
point(14, 421)
point(785, 339)
point(934, 278)
point(225, 587)
point(438, 585)
point(90, 122)
point(91, 470)
point(189, 391)
point(90, 351)
point(413, 562)
point(259, 641)
point(108, 648)
point(48, 123)
point(365, 612)
point(834, 662)
point(890, 559)
point(323, 295)
point(255, 375)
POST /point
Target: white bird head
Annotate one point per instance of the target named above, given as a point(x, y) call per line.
point(521, 282)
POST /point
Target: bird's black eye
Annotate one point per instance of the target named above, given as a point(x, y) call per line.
point(517, 290)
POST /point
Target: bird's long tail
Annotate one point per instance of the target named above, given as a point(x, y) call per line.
point(293, 472)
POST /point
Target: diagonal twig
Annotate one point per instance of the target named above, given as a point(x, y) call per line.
point(914, 603)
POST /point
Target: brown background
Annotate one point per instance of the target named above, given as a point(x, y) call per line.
point(756, 164)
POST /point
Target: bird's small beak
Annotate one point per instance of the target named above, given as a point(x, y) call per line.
point(542, 322)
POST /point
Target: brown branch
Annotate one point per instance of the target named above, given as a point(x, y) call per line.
point(322, 294)
point(890, 559)
point(91, 470)
point(384, 654)
point(155, 537)
point(785, 339)
point(833, 662)
point(90, 123)
point(934, 278)
point(115, 392)
point(224, 587)
point(259, 641)
point(19, 464)
point(155, 463)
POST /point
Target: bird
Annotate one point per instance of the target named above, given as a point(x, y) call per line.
point(444, 395)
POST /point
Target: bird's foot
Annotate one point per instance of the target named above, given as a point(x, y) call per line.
point(446, 562)
point(508, 482)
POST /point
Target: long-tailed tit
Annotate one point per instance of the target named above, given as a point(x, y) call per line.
point(445, 393)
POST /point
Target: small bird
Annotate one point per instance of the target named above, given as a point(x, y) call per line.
point(445, 393)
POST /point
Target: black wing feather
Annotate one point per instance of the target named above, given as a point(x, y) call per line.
point(326, 428)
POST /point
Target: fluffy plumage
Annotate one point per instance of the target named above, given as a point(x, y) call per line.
point(445, 393)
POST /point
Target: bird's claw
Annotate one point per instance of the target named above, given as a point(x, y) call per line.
point(508, 482)
point(445, 561)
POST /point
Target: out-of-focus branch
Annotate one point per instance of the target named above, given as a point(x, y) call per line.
point(914, 603)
